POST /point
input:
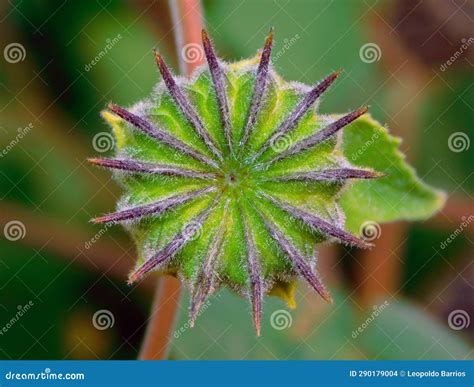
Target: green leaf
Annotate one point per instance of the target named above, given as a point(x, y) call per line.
point(398, 195)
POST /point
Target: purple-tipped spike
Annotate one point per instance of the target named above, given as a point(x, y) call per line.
point(173, 247)
point(320, 136)
point(134, 166)
point(207, 274)
point(155, 208)
point(158, 134)
point(258, 90)
point(318, 224)
point(255, 278)
point(218, 78)
point(297, 259)
point(298, 112)
point(185, 106)
point(336, 174)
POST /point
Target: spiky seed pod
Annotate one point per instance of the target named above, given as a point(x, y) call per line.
point(232, 179)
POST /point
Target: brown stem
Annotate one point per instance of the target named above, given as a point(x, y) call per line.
point(162, 319)
point(187, 25)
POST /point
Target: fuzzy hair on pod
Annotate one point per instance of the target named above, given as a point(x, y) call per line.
point(231, 178)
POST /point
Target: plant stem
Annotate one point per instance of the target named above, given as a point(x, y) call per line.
point(162, 319)
point(187, 25)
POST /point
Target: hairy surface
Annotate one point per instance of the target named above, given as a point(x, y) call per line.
point(232, 178)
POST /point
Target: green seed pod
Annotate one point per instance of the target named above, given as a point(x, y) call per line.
point(232, 178)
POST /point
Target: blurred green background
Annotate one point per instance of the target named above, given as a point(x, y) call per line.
point(71, 271)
